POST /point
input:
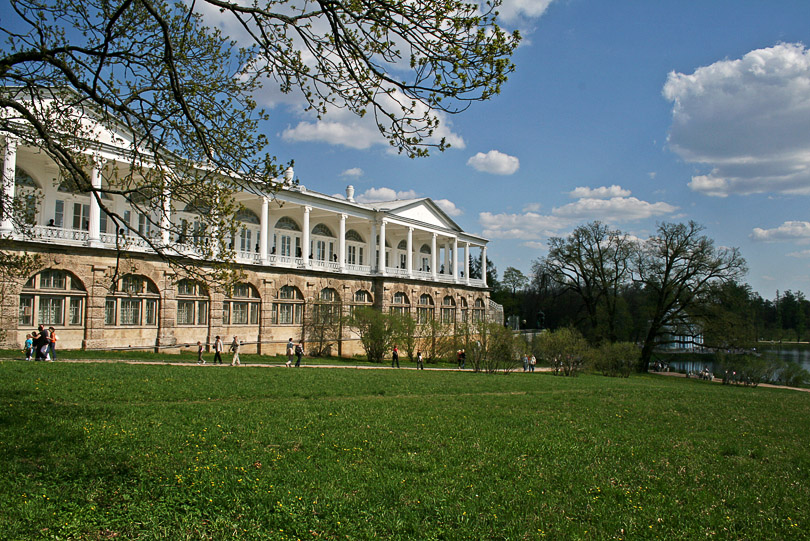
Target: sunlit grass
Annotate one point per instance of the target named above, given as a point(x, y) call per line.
point(96, 451)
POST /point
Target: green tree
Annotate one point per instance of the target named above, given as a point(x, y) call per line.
point(677, 267)
point(185, 94)
point(563, 349)
point(593, 262)
point(376, 331)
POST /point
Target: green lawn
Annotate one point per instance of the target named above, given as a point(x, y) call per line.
point(118, 451)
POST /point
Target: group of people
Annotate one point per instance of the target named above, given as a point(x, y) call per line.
point(296, 350)
point(219, 347)
point(41, 344)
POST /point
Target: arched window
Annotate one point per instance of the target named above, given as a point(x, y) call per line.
point(242, 307)
point(52, 297)
point(72, 207)
point(249, 232)
point(448, 310)
point(289, 306)
point(402, 250)
point(326, 309)
point(134, 302)
point(287, 238)
point(192, 303)
point(323, 243)
point(425, 311)
point(361, 298)
point(465, 312)
point(355, 246)
point(400, 304)
point(478, 310)
point(424, 258)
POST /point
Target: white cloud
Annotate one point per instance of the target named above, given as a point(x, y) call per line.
point(803, 254)
point(511, 11)
point(615, 209)
point(448, 207)
point(353, 172)
point(532, 207)
point(341, 127)
point(494, 162)
point(600, 193)
point(375, 195)
point(594, 204)
point(788, 231)
point(748, 120)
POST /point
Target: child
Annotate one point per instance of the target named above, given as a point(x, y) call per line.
point(200, 359)
point(29, 347)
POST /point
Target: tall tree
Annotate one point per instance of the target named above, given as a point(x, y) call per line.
point(677, 266)
point(184, 95)
point(514, 280)
point(593, 263)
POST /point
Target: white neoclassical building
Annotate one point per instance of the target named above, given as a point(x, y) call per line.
point(296, 247)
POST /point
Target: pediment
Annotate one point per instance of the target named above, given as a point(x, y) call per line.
point(425, 211)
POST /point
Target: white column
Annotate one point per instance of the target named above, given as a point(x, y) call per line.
point(305, 240)
point(95, 212)
point(372, 246)
point(446, 257)
point(454, 260)
point(433, 256)
point(484, 264)
point(9, 168)
point(467, 263)
point(263, 229)
point(409, 256)
point(381, 262)
point(342, 243)
point(166, 217)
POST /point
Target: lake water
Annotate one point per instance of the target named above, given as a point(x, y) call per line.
point(801, 356)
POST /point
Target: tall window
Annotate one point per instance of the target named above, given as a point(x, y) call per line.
point(327, 308)
point(288, 308)
point(250, 230)
point(478, 310)
point(465, 312)
point(323, 243)
point(133, 303)
point(288, 236)
point(448, 310)
point(355, 245)
point(400, 304)
point(424, 258)
point(361, 298)
point(192, 303)
point(242, 308)
point(52, 297)
point(402, 249)
point(425, 311)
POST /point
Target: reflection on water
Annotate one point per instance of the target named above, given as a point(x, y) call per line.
point(801, 356)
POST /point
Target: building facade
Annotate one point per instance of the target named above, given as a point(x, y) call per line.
point(297, 248)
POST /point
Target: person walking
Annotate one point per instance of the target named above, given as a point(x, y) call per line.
point(29, 347)
point(200, 359)
point(52, 343)
point(463, 359)
point(395, 357)
point(235, 349)
point(42, 344)
point(525, 363)
point(290, 352)
point(218, 347)
point(458, 358)
point(299, 352)
point(532, 362)
point(419, 364)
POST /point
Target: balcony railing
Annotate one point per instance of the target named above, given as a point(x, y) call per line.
point(130, 242)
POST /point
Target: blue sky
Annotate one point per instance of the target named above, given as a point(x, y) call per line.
point(627, 112)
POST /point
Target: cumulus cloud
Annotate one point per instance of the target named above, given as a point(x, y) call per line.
point(788, 231)
point(341, 127)
point(353, 172)
point(375, 195)
point(494, 162)
point(598, 193)
point(611, 204)
point(448, 207)
point(511, 11)
point(747, 120)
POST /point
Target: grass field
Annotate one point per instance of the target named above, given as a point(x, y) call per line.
point(116, 451)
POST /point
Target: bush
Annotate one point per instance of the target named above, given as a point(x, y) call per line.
point(618, 359)
point(564, 350)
